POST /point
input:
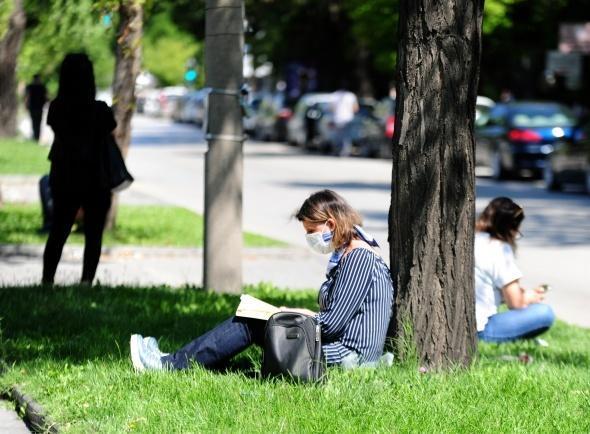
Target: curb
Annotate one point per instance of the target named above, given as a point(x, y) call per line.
point(31, 412)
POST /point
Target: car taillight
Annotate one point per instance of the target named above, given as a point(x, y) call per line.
point(389, 126)
point(285, 114)
point(524, 136)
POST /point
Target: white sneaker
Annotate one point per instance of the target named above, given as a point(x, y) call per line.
point(152, 344)
point(135, 346)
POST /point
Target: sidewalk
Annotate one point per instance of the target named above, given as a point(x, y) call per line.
point(10, 423)
point(291, 267)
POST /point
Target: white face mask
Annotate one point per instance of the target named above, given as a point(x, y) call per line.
point(320, 241)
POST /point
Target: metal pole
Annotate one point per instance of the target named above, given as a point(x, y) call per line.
point(224, 43)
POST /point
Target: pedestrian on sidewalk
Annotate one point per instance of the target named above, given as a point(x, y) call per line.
point(497, 279)
point(345, 106)
point(77, 177)
point(355, 301)
point(35, 99)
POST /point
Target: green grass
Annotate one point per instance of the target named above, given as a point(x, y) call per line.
point(68, 348)
point(23, 157)
point(136, 225)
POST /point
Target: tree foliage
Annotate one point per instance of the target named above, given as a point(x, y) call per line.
point(374, 23)
point(61, 26)
point(167, 48)
point(5, 11)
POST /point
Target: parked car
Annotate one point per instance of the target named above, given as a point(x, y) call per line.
point(302, 126)
point(569, 164)
point(518, 137)
point(190, 108)
point(368, 132)
point(160, 102)
point(483, 107)
point(271, 118)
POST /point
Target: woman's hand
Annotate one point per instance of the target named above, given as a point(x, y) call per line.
point(516, 297)
point(536, 295)
point(298, 310)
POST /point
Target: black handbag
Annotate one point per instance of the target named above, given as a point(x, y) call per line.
point(117, 176)
point(293, 347)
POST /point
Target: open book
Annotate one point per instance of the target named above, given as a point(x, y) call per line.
point(251, 307)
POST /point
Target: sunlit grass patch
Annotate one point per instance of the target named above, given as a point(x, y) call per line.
point(144, 225)
point(23, 157)
point(68, 348)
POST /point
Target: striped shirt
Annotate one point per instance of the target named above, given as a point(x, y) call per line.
point(355, 307)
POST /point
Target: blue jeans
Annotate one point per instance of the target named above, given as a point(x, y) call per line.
point(518, 324)
point(219, 344)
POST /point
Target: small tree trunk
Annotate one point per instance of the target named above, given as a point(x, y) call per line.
point(127, 68)
point(365, 88)
point(9, 49)
point(433, 203)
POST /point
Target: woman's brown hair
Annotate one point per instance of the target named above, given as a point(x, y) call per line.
point(325, 204)
point(501, 219)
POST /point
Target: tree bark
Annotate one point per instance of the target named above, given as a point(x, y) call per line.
point(432, 203)
point(127, 68)
point(9, 49)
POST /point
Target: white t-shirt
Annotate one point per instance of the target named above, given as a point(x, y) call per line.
point(344, 106)
point(495, 267)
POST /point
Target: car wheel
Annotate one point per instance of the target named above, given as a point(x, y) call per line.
point(498, 170)
point(549, 178)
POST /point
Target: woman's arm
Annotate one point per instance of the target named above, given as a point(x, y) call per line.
point(516, 297)
point(349, 292)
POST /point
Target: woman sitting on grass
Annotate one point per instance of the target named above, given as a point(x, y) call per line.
point(355, 300)
point(497, 279)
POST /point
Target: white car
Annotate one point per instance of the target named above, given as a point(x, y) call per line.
point(296, 127)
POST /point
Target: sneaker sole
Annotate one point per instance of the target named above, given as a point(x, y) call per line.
point(134, 343)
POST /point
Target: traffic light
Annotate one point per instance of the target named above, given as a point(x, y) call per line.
point(191, 75)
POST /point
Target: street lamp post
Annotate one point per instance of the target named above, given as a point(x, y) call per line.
point(224, 43)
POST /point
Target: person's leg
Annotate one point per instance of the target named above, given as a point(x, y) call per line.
point(64, 209)
point(518, 324)
point(219, 344)
point(95, 213)
point(36, 116)
point(346, 140)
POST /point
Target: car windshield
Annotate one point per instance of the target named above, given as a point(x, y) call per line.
point(542, 116)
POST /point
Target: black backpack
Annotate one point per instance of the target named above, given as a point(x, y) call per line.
point(293, 347)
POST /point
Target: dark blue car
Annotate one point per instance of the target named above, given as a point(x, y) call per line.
point(519, 136)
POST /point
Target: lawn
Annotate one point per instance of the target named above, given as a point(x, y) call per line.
point(137, 225)
point(23, 157)
point(85, 381)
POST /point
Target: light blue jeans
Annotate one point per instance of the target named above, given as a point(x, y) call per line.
point(518, 324)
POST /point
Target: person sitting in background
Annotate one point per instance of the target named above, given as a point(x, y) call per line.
point(355, 300)
point(497, 279)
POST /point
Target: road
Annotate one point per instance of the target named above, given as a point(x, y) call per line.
point(167, 161)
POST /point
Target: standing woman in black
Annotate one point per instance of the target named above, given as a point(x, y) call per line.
point(77, 178)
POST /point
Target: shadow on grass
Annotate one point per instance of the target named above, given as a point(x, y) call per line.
point(74, 324)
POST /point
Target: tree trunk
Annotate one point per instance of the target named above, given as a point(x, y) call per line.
point(9, 49)
point(365, 88)
point(127, 68)
point(433, 204)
